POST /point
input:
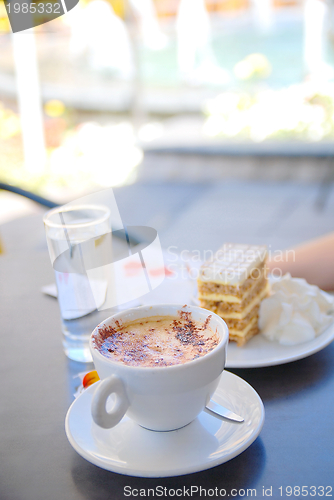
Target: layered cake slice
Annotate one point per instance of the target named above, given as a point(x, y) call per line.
point(232, 284)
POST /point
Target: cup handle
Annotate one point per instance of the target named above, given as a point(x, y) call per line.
point(108, 386)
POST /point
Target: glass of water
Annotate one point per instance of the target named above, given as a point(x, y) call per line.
point(79, 239)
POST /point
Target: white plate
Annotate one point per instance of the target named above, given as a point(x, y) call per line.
point(262, 352)
point(204, 443)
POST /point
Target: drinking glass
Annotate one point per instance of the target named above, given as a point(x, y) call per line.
point(79, 239)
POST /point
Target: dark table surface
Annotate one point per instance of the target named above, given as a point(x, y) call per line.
point(296, 445)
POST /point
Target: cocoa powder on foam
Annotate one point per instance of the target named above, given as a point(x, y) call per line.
point(157, 341)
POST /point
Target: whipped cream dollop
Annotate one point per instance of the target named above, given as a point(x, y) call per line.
point(295, 312)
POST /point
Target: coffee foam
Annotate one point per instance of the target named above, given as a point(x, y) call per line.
point(157, 340)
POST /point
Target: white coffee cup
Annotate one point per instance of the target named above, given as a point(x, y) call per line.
point(159, 398)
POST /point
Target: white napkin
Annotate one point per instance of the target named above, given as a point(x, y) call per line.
point(295, 312)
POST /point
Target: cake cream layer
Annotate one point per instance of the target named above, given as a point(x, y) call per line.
point(241, 340)
point(241, 324)
point(236, 303)
point(232, 264)
point(236, 325)
point(232, 293)
point(218, 308)
point(244, 331)
point(235, 311)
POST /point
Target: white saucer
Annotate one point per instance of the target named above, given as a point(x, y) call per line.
point(206, 442)
point(259, 351)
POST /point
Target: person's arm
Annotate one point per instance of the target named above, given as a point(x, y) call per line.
point(313, 261)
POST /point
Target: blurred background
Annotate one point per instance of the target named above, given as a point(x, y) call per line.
point(118, 92)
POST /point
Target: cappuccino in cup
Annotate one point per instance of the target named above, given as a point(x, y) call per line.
point(157, 340)
point(161, 363)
